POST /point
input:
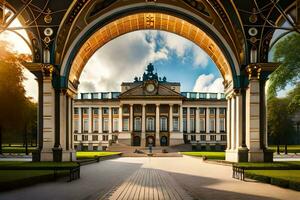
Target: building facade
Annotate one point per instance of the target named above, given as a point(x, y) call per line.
point(149, 110)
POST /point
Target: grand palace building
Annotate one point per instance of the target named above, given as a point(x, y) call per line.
point(149, 110)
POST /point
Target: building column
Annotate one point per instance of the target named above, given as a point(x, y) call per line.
point(120, 119)
point(253, 124)
point(100, 120)
point(181, 119)
point(90, 120)
point(197, 120)
point(217, 120)
point(171, 118)
point(131, 119)
point(157, 117)
point(143, 134)
point(109, 123)
point(228, 124)
point(207, 120)
point(233, 123)
point(188, 120)
point(79, 120)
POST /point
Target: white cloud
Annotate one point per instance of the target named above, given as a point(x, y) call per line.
point(208, 83)
point(120, 60)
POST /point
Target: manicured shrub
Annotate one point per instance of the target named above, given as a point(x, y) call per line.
point(280, 182)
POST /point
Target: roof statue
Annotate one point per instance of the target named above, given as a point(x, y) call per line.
point(150, 75)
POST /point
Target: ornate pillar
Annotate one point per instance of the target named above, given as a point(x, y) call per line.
point(217, 120)
point(188, 121)
point(79, 120)
point(197, 120)
point(90, 120)
point(228, 126)
point(143, 134)
point(253, 137)
point(233, 122)
point(157, 117)
point(171, 118)
point(207, 120)
point(109, 123)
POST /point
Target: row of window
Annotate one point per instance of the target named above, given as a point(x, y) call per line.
point(202, 111)
point(202, 121)
point(211, 137)
point(94, 138)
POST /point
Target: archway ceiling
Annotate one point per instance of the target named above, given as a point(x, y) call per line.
point(230, 17)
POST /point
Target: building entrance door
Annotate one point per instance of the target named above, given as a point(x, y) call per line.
point(164, 141)
point(137, 141)
point(150, 140)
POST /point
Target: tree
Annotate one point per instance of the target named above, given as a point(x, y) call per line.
point(280, 125)
point(15, 107)
point(287, 53)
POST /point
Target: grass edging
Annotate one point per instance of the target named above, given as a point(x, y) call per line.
point(274, 181)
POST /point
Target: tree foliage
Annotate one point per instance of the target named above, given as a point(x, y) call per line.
point(16, 109)
point(287, 52)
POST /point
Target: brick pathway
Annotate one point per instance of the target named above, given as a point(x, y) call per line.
point(147, 183)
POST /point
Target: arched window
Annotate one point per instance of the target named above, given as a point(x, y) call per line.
point(137, 124)
point(163, 124)
point(150, 124)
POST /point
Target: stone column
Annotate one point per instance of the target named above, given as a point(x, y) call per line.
point(239, 121)
point(90, 120)
point(120, 119)
point(181, 119)
point(143, 134)
point(207, 120)
point(228, 124)
point(131, 119)
point(197, 120)
point(233, 122)
point(100, 120)
point(253, 138)
point(109, 123)
point(171, 118)
point(79, 120)
point(157, 117)
point(217, 120)
point(188, 120)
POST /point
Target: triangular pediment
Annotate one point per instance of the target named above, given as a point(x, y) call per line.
point(140, 92)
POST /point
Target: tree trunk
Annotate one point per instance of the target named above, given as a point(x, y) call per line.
point(285, 149)
point(278, 149)
point(0, 140)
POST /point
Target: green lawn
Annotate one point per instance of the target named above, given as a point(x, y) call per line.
point(17, 149)
point(93, 154)
point(289, 175)
point(269, 165)
point(291, 148)
point(209, 155)
point(35, 165)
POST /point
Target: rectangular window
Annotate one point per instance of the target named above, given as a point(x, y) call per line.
point(222, 111)
point(125, 124)
point(95, 125)
point(95, 137)
point(95, 111)
point(202, 95)
point(192, 125)
point(212, 125)
point(104, 137)
point(184, 111)
point(202, 125)
point(163, 124)
point(175, 124)
point(125, 109)
point(85, 125)
point(212, 111)
point(202, 111)
point(193, 95)
point(76, 111)
point(85, 96)
point(150, 124)
point(85, 111)
point(105, 111)
point(203, 137)
point(85, 138)
point(95, 96)
point(193, 138)
point(75, 138)
point(137, 124)
point(115, 111)
point(184, 125)
point(105, 124)
point(213, 95)
point(192, 111)
point(76, 125)
point(223, 137)
point(212, 138)
point(105, 95)
point(115, 125)
point(222, 125)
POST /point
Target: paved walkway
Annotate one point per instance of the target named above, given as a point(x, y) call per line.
point(161, 178)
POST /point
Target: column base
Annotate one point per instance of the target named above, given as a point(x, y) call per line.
point(157, 142)
point(58, 155)
point(256, 156)
point(237, 155)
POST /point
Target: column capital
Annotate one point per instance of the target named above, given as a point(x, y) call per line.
point(255, 70)
point(157, 104)
point(171, 104)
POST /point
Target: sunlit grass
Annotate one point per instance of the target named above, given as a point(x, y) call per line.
point(94, 154)
point(208, 154)
point(291, 148)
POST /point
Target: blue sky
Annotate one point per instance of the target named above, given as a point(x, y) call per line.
point(173, 56)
